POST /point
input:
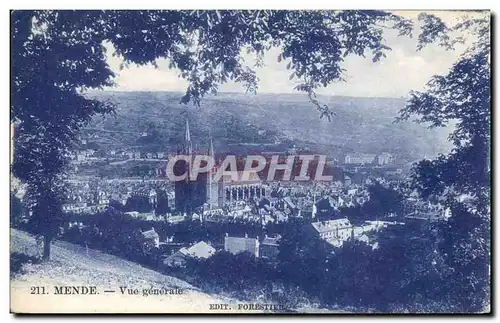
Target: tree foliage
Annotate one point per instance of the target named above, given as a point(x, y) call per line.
point(461, 179)
point(462, 97)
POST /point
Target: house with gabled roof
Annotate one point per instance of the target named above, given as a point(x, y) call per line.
point(200, 250)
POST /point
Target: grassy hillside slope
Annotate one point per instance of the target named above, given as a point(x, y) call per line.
point(71, 265)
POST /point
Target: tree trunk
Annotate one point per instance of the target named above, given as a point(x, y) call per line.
point(46, 247)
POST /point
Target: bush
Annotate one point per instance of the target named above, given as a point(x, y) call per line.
point(17, 260)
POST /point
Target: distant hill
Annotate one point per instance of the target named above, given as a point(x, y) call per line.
point(155, 121)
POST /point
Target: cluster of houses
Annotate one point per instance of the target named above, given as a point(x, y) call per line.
point(418, 209)
point(85, 155)
point(279, 204)
point(84, 199)
point(92, 197)
point(266, 248)
point(285, 202)
point(335, 232)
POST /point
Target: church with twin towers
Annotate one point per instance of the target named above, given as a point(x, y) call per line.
point(204, 191)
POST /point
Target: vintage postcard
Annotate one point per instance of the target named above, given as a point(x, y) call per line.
point(250, 161)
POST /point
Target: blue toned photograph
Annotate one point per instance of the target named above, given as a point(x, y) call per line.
point(250, 162)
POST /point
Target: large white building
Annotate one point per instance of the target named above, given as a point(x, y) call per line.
point(335, 231)
point(385, 158)
point(360, 159)
point(369, 159)
point(236, 245)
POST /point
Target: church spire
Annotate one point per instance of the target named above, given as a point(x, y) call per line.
point(211, 149)
point(314, 208)
point(187, 140)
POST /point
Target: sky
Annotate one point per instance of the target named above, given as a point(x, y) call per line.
point(403, 69)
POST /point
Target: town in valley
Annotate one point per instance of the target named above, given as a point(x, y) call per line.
point(366, 193)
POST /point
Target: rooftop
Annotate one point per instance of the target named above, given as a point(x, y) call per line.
point(326, 226)
point(150, 234)
point(200, 250)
